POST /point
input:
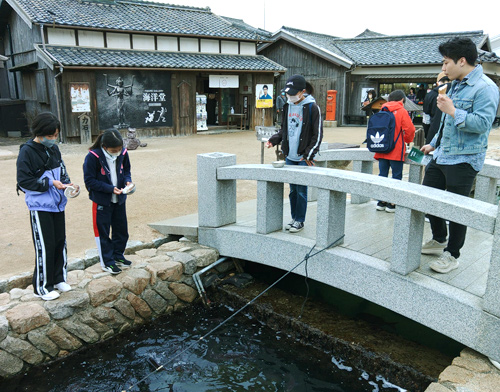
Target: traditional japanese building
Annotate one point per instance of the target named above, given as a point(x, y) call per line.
point(159, 68)
point(353, 66)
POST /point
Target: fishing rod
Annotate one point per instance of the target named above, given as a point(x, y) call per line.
point(305, 259)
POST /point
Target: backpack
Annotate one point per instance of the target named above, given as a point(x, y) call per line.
point(380, 132)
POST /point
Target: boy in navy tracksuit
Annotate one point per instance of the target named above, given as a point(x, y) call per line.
point(106, 172)
point(42, 176)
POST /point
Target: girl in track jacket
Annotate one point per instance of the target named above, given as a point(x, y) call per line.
point(42, 176)
point(106, 171)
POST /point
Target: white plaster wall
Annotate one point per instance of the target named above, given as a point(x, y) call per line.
point(168, 44)
point(229, 47)
point(118, 41)
point(189, 44)
point(93, 39)
point(209, 46)
point(61, 36)
point(145, 42)
point(248, 48)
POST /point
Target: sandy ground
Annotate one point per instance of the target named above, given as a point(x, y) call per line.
point(165, 176)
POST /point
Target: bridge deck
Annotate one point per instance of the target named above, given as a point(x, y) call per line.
point(368, 231)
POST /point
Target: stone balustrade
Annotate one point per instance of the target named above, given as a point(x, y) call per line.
point(486, 181)
point(100, 305)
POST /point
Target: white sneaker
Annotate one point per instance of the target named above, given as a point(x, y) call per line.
point(287, 227)
point(62, 287)
point(48, 297)
point(432, 247)
point(444, 264)
point(494, 363)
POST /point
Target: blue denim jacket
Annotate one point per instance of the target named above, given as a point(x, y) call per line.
point(476, 103)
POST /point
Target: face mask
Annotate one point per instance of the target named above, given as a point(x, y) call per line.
point(47, 142)
point(293, 98)
point(113, 155)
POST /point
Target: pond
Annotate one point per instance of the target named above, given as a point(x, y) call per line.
point(242, 355)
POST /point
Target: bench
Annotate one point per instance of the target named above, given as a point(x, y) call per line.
point(355, 119)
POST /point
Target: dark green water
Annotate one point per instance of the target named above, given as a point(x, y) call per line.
point(243, 355)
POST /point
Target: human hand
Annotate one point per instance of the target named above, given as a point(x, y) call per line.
point(445, 104)
point(117, 191)
point(60, 185)
point(426, 149)
point(269, 144)
point(308, 162)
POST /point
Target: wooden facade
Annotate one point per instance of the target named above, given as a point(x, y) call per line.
point(322, 74)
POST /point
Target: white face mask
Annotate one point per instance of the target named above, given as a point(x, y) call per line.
point(113, 155)
point(293, 98)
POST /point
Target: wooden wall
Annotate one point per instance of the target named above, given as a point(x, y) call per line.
point(322, 74)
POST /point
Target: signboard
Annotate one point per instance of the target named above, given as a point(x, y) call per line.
point(134, 99)
point(364, 94)
point(85, 129)
point(223, 81)
point(264, 96)
point(80, 97)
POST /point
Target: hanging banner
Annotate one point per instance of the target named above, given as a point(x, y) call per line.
point(264, 96)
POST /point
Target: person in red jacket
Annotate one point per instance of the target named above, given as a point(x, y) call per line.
point(395, 158)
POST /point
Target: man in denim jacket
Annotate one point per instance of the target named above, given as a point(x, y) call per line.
point(469, 110)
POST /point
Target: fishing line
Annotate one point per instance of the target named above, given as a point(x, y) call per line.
point(305, 259)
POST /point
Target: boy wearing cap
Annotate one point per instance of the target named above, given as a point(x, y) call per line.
point(460, 145)
point(300, 136)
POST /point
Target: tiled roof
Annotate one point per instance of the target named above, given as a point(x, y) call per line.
point(369, 33)
point(97, 57)
point(245, 26)
point(372, 49)
point(133, 15)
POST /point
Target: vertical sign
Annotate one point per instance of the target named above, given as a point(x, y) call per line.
point(85, 129)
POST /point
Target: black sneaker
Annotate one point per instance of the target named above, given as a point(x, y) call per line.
point(112, 268)
point(381, 206)
point(123, 262)
point(296, 227)
point(390, 208)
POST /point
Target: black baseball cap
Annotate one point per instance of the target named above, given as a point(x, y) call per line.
point(294, 84)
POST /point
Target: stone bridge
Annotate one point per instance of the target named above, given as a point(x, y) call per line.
point(379, 256)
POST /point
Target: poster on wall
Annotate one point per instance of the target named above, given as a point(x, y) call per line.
point(134, 99)
point(365, 99)
point(264, 96)
point(80, 97)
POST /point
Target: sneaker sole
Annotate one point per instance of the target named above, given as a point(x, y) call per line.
point(390, 210)
point(111, 272)
point(444, 271)
point(295, 230)
point(380, 208)
point(121, 265)
point(437, 251)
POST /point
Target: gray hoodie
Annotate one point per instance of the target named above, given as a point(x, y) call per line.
point(295, 119)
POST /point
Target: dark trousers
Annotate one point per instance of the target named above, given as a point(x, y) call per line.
point(298, 196)
point(110, 220)
point(49, 237)
point(395, 166)
point(455, 179)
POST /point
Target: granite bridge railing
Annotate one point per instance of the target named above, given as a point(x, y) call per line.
point(362, 162)
point(395, 284)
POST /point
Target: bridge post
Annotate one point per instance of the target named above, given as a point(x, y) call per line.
point(361, 167)
point(486, 188)
point(330, 220)
point(312, 191)
point(491, 299)
point(269, 206)
point(216, 198)
point(415, 173)
point(407, 240)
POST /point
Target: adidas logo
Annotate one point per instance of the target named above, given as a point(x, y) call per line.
point(377, 138)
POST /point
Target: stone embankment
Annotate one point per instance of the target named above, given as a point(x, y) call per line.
point(470, 372)
point(100, 305)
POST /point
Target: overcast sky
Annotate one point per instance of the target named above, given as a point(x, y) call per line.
point(347, 19)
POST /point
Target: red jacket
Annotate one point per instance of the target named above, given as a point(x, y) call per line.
point(403, 124)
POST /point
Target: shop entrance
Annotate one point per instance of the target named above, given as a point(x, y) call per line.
point(219, 103)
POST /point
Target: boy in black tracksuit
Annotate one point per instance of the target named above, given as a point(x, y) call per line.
point(106, 172)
